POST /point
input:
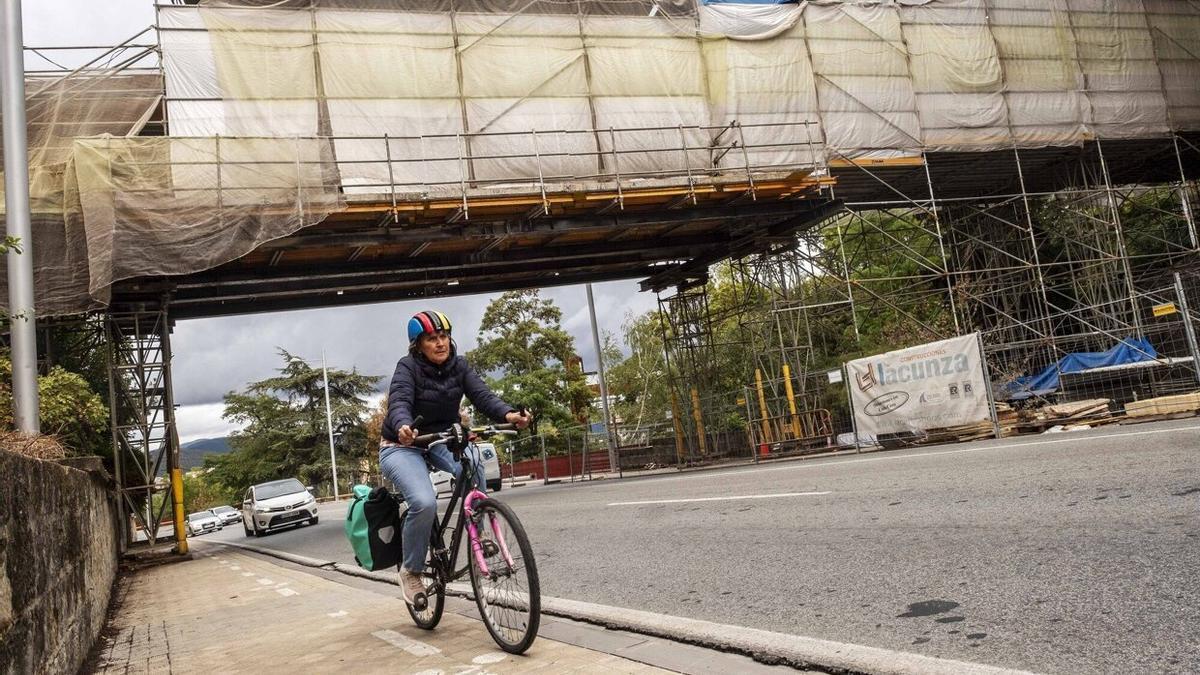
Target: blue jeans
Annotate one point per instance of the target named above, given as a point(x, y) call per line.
point(406, 468)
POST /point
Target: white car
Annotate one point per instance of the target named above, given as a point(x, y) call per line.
point(226, 514)
point(279, 503)
point(443, 482)
point(202, 521)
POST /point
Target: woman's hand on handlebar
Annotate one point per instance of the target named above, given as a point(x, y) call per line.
point(519, 419)
point(406, 435)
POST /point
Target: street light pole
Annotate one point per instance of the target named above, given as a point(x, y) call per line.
point(23, 328)
point(329, 425)
point(608, 431)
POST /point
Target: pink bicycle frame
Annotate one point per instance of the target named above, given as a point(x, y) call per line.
point(473, 533)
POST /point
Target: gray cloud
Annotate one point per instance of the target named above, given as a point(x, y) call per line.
point(214, 356)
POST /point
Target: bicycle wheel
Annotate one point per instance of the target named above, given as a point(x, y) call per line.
point(509, 595)
point(429, 617)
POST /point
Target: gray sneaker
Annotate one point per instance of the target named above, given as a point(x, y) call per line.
point(412, 587)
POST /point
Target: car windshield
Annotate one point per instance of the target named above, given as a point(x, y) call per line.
point(200, 514)
point(223, 509)
point(279, 489)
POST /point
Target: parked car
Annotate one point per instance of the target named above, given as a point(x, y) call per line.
point(279, 503)
point(202, 521)
point(227, 514)
point(444, 482)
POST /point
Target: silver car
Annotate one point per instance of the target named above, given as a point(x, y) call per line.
point(226, 514)
point(201, 522)
point(277, 504)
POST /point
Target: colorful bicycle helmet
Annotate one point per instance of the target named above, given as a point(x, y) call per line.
point(427, 322)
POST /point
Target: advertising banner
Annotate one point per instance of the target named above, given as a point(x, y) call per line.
point(929, 386)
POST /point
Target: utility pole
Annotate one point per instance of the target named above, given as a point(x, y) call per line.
point(329, 425)
point(608, 431)
point(23, 320)
point(1188, 329)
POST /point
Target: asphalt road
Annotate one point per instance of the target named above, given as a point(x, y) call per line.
point(1068, 553)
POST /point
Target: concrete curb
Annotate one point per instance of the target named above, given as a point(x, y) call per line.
point(766, 646)
point(763, 646)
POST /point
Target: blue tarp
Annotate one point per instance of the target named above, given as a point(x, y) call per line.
point(1129, 350)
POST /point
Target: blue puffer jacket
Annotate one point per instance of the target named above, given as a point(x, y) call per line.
point(419, 388)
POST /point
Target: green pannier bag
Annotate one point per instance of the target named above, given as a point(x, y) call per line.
point(373, 527)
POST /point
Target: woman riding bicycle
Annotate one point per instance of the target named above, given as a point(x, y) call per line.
point(429, 383)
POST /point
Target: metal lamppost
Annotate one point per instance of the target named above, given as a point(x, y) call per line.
point(22, 327)
point(328, 419)
point(608, 430)
point(329, 426)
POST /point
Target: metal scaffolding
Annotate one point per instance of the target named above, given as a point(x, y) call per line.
point(145, 442)
point(1072, 261)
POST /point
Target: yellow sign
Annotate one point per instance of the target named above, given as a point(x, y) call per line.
point(1164, 309)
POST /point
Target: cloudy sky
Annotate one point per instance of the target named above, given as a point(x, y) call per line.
point(214, 356)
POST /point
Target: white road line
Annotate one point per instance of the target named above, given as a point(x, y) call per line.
point(264, 581)
point(247, 574)
point(721, 499)
point(235, 567)
point(886, 457)
point(286, 592)
point(406, 643)
point(338, 614)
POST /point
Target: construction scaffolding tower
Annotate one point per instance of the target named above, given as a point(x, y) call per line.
point(1040, 272)
point(145, 442)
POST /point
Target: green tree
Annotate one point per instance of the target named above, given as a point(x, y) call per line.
point(525, 353)
point(68, 409)
point(638, 383)
point(284, 432)
point(201, 491)
point(71, 411)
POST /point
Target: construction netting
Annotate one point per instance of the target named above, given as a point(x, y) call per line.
point(900, 76)
point(279, 112)
point(108, 205)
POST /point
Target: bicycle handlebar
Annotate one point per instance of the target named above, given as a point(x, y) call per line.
point(491, 429)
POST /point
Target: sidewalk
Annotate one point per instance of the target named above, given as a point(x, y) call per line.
point(224, 611)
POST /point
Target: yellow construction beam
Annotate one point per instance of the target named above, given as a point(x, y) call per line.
point(762, 405)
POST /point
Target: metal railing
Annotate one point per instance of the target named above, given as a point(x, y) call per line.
point(242, 170)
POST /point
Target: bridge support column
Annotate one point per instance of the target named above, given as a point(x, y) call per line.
point(145, 441)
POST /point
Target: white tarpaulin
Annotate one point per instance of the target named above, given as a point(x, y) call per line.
point(861, 78)
point(929, 386)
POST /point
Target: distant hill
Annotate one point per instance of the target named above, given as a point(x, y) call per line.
point(191, 454)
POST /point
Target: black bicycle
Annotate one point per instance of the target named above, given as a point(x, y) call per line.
point(504, 578)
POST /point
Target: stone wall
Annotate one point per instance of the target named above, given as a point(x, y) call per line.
point(58, 560)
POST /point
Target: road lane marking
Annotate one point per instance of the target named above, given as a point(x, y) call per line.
point(721, 499)
point(489, 658)
point(285, 592)
point(338, 614)
point(406, 643)
point(235, 567)
point(264, 581)
point(247, 574)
